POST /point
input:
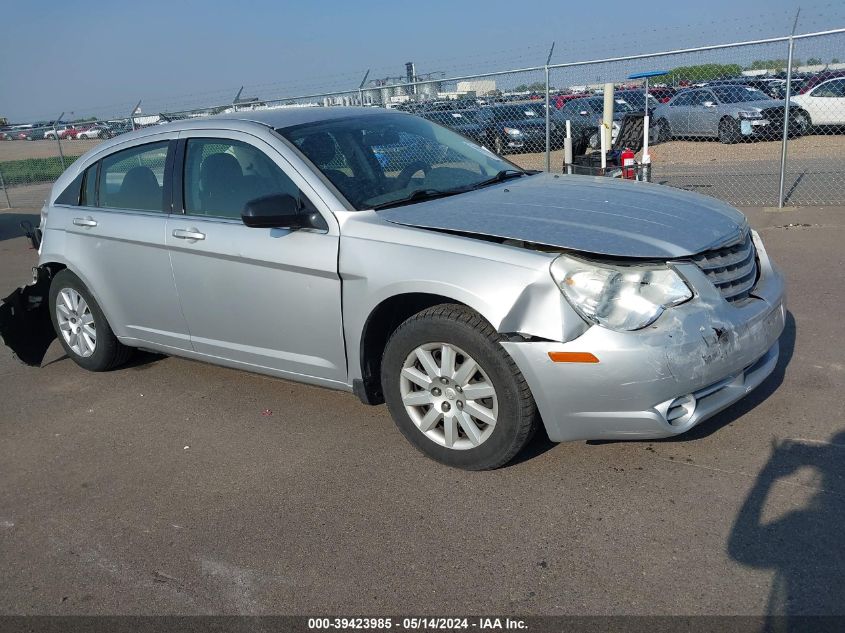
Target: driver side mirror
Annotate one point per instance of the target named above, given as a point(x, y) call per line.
point(279, 211)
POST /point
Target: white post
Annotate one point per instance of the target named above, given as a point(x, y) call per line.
point(603, 141)
point(567, 147)
point(607, 117)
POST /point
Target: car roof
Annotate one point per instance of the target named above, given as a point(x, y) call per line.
point(292, 116)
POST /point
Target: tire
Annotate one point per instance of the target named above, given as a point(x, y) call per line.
point(802, 122)
point(593, 141)
point(475, 444)
point(664, 131)
point(729, 131)
point(107, 352)
point(579, 147)
point(499, 145)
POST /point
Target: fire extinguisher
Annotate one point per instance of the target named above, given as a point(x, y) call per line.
point(628, 171)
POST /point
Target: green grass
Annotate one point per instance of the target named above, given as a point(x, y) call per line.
point(33, 170)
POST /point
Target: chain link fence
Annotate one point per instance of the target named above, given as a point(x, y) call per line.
point(720, 122)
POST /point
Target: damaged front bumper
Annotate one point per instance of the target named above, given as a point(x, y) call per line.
point(694, 361)
point(25, 324)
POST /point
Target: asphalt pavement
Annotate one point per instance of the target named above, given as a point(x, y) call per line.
point(175, 487)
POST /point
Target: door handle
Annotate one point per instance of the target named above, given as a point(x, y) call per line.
point(89, 221)
point(188, 234)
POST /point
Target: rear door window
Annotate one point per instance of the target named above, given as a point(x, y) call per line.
point(134, 178)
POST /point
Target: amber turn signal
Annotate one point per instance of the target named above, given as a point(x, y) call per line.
point(573, 357)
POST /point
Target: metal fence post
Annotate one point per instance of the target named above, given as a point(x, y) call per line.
point(787, 96)
point(548, 161)
point(361, 88)
point(58, 142)
point(5, 191)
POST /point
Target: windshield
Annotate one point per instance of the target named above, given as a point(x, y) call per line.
point(379, 159)
point(738, 94)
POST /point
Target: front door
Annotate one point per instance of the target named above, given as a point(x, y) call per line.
point(263, 299)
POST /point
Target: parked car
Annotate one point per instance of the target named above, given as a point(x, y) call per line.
point(98, 130)
point(516, 127)
point(558, 101)
point(636, 100)
point(585, 116)
point(818, 78)
point(26, 133)
point(464, 122)
point(773, 88)
point(478, 300)
point(663, 95)
point(824, 102)
point(64, 131)
point(729, 113)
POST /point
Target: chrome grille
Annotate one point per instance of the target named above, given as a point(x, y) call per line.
point(732, 269)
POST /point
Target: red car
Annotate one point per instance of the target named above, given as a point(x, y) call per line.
point(663, 95)
point(560, 100)
point(65, 131)
point(815, 80)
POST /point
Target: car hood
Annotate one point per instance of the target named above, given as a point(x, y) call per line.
point(761, 104)
point(592, 214)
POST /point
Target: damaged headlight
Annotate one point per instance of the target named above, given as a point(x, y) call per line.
point(618, 297)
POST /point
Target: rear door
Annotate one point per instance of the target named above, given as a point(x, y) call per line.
point(263, 299)
point(679, 113)
point(826, 103)
point(114, 241)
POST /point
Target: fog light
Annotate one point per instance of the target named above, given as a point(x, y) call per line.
point(680, 410)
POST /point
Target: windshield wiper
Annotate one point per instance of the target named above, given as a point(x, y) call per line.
point(505, 174)
point(418, 195)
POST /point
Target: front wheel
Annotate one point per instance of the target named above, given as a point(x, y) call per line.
point(454, 392)
point(664, 132)
point(801, 123)
point(81, 326)
point(729, 131)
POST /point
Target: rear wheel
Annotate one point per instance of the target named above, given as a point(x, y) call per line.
point(81, 326)
point(729, 131)
point(664, 131)
point(454, 392)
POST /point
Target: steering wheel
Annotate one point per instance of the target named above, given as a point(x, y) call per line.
point(404, 176)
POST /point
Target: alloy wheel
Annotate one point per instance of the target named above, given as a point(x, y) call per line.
point(76, 323)
point(448, 396)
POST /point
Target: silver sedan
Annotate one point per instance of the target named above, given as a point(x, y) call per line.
point(378, 253)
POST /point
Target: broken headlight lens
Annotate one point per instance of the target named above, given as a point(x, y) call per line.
point(618, 297)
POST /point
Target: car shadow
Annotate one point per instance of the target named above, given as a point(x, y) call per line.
point(740, 408)
point(804, 547)
point(139, 361)
point(10, 224)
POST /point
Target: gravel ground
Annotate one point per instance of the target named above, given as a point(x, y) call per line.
point(165, 487)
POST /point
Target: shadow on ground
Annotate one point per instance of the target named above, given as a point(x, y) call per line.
point(10, 224)
point(805, 548)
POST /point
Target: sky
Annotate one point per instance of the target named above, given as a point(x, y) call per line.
point(95, 58)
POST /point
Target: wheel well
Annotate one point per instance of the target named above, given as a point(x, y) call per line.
point(54, 268)
point(381, 323)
